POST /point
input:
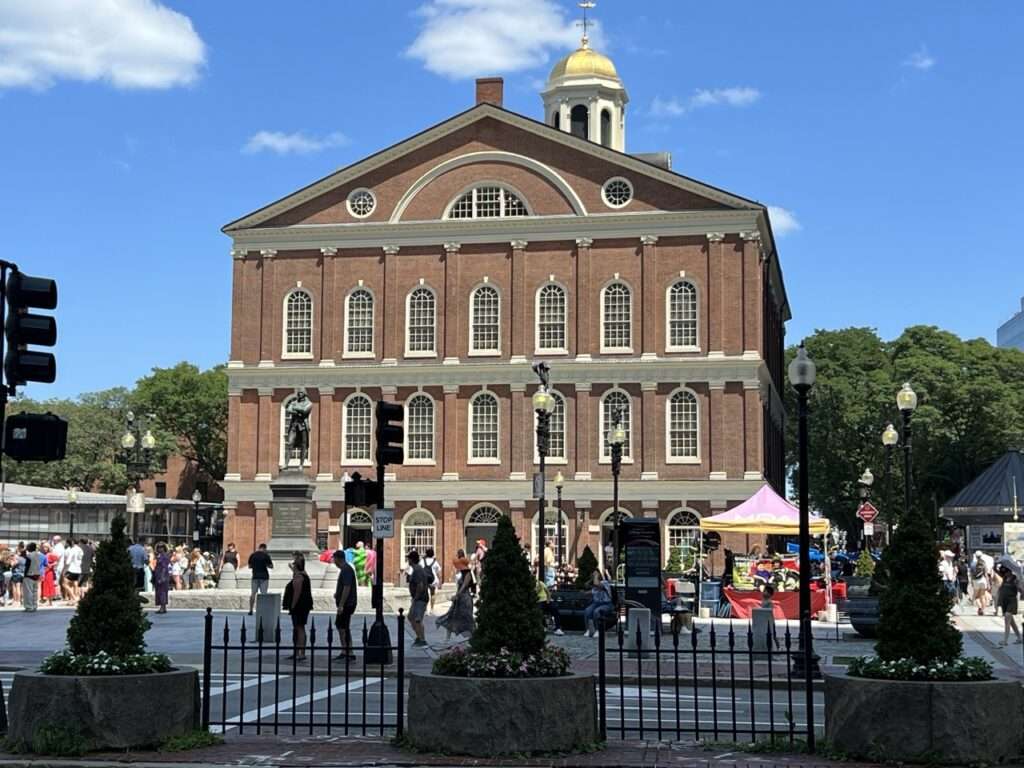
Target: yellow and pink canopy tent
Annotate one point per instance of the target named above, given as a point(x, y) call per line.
point(764, 512)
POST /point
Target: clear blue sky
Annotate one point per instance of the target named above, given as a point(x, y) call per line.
point(132, 130)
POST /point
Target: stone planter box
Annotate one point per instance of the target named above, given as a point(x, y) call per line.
point(119, 712)
point(486, 716)
point(967, 723)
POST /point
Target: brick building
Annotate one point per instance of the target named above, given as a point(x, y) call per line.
point(433, 273)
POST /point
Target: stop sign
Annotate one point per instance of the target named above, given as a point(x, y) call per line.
point(867, 512)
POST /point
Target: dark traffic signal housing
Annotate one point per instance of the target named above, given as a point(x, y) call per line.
point(35, 437)
point(23, 329)
point(390, 433)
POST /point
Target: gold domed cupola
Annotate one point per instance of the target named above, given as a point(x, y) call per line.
point(584, 95)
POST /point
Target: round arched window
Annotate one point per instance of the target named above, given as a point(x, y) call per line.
point(361, 203)
point(617, 192)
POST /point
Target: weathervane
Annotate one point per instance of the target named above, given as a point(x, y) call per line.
point(586, 5)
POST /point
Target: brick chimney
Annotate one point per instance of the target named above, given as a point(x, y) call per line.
point(490, 89)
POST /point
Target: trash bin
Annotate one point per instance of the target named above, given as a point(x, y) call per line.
point(639, 623)
point(268, 613)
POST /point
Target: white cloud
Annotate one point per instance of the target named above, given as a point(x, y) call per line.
point(784, 221)
point(296, 143)
point(704, 97)
point(129, 43)
point(470, 38)
point(920, 59)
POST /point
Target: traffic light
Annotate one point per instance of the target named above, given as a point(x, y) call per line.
point(390, 434)
point(35, 437)
point(22, 328)
point(361, 492)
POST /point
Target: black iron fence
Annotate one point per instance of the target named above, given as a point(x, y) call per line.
point(711, 684)
point(255, 683)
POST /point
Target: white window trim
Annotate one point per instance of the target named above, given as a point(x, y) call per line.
point(285, 354)
point(616, 350)
point(669, 458)
point(373, 327)
point(283, 459)
point(536, 321)
point(632, 192)
point(408, 298)
point(667, 553)
point(469, 431)
point(345, 460)
point(476, 507)
point(433, 433)
point(601, 458)
point(668, 317)
point(348, 203)
point(487, 183)
point(553, 460)
point(433, 525)
point(472, 295)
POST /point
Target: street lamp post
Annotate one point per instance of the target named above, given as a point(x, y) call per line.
point(196, 498)
point(345, 480)
point(889, 439)
point(72, 501)
point(616, 438)
point(543, 405)
point(137, 444)
point(559, 482)
point(865, 482)
point(906, 400)
point(801, 377)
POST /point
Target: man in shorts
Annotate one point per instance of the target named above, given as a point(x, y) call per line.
point(345, 599)
point(419, 590)
point(73, 569)
point(260, 565)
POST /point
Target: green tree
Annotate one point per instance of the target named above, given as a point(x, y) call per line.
point(508, 614)
point(110, 616)
point(191, 406)
point(586, 564)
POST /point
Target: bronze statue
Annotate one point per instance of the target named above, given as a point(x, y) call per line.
point(297, 416)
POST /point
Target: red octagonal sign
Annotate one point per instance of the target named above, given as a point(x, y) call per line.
point(867, 512)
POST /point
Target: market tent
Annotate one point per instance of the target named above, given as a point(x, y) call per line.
point(764, 512)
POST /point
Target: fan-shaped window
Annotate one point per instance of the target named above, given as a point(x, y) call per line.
point(483, 429)
point(485, 318)
point(615, 402)
point(551, 318)
point(682, 426)
point(683, 538)
point(417, 531)
point(556, 429)
point(682, 315)
point(419, 435)
point(360, 518)
point(616, 318)
point(484, 516)
point(487, 202)
point(356, 429)
point(359, 323)
point(298, 325)
point(420, 322)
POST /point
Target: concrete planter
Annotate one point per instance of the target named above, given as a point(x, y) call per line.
point(864, 615)
point(486, 716)
point(119, 712)
point(964, 723)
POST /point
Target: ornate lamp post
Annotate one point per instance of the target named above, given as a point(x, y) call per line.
point(559, 482)
point(801, 377)
point(865, 482)
point(72, 502)
point(616, 439)
point(890, 437)
point(906, 401)
point(543, 405)
point(137, 444)
point(196, 498)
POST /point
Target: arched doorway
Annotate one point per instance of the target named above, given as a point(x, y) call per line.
point(608, 534)
point(418, 532)
point(359, 528)
point(481, 523)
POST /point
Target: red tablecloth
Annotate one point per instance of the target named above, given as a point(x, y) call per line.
point(785, 605)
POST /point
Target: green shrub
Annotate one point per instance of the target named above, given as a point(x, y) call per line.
point(675, 561)
point(68, 663)
point(972, 668)
point(110, 616)
point(550, 662)
point(57, 740)
point(509, 618)
point(865, 565)
point(194, 740)
point(586, 564)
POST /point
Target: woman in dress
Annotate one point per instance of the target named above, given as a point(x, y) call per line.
point(459, 618)
point(198, 569)
point(162, 577)
point(298, 599)
point(48, 587)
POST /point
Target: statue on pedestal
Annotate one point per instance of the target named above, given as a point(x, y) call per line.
point(297, 427)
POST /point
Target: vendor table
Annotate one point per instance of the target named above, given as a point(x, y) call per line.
point(785, 605)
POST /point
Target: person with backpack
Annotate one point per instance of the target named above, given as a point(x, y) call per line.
point(434, 571)
point(419, 591)
point(1006, 598)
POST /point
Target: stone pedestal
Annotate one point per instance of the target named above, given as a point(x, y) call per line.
point(292, 510)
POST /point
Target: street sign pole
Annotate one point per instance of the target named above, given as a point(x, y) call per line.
point(378, 646)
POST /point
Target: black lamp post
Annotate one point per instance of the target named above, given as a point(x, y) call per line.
point(906, 400)
point(72, 502)
point(865, 482)
point(889, 439)
point(559, 482)
point(801, 377)
point(345, 479)
point(616, 438)
point(196, 520)
point(137, 444)
point(543, 405)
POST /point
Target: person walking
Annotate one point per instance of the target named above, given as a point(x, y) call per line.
point(260, 564)
point(73, 557)
point(547, 606)
point(88, 554)
point(458, 619)
point(1006, 599)
point(345, 599)
point(600, 604)
point(298, 599)
point(33, 563)
point(162, 577)
point(137, 553)
point(434, 567)
point(419, 591)
point(979, 583)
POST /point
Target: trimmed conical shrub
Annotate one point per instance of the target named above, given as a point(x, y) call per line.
point(585, 567)
point(508, 615)
point(914, 605)
point(110, 616)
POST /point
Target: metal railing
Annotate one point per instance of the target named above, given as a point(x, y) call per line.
point(355, 695)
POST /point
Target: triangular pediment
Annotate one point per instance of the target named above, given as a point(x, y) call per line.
point(489, 137)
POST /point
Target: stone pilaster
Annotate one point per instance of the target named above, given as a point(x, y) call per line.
point(326, 461)
point(716, 422)
point(714, 300)
point(586, 448)
point(650, 436)
point(519, 303)
point(392, 324)
point(752, 297)
point(270, 318)
point(753, 417)
point(450, 421)
point(454, 312)
point(584, 301)
point(650, 302)
point(519, 452)
point(332, 312)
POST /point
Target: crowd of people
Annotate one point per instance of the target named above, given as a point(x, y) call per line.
point(45, 572)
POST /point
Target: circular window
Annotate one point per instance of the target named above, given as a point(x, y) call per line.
point(617, 192)
point(361, 203)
